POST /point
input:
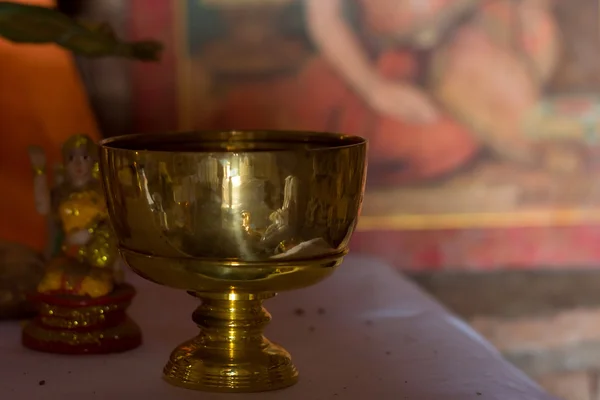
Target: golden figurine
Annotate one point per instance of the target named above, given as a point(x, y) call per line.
point(264, 212)
point(82, 290)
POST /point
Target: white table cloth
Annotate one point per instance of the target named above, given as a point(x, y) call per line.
point(379, 338)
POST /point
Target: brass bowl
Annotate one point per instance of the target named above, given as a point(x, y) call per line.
point(233, 217)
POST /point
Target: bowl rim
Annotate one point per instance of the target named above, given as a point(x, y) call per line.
point(329, 140)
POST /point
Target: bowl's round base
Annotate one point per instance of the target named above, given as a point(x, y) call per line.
point(257, 369)
point(230, 354)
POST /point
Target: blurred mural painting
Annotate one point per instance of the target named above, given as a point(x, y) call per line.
point(482, 115)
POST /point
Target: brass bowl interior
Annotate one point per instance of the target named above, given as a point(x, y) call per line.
point(232, 141)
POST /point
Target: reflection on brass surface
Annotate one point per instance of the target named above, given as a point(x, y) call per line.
point(233, 218)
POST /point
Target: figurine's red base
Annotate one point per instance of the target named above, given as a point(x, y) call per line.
point(80, 325)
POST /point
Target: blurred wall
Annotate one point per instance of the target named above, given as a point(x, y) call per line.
point(108, 81)
point(482, 116)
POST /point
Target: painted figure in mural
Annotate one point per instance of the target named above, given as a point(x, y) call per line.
point(83, 257)
point(430, 82)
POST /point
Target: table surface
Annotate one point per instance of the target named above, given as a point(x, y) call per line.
point(380, 337)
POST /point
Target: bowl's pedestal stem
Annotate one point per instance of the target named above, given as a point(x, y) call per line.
point(231, 354)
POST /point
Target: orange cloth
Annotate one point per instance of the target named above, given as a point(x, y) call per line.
point(43, 102)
